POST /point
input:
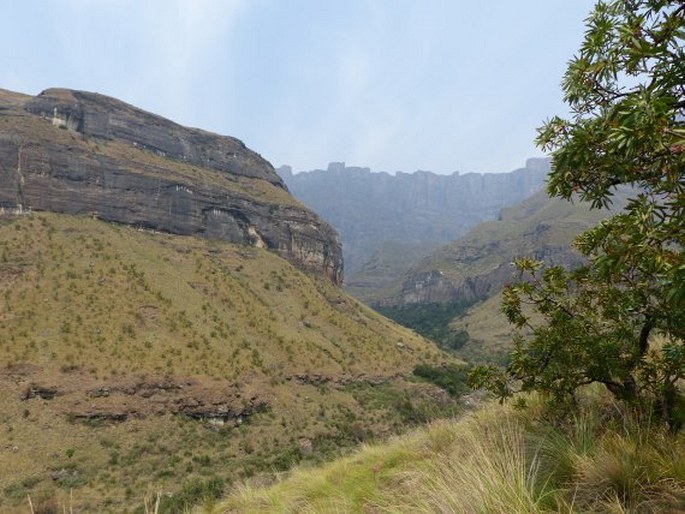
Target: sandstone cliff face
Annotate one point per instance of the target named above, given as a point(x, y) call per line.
point(477, 265)
point(466, 284)
point(85, 153)
point(421, 209)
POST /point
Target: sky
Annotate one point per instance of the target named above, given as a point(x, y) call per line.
point(394, 85)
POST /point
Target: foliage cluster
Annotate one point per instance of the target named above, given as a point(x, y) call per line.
point(431, 320)
point(452, 378)
point(626, 90)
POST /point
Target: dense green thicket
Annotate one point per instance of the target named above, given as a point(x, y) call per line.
point(452, 378)
point(431, 320)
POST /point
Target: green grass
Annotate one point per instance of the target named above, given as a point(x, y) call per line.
point(91, 309)
point(452, 378)
point(498, 460)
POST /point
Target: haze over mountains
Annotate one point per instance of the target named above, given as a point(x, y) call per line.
point(472, 267)
point(419, 211)
point(388, 222)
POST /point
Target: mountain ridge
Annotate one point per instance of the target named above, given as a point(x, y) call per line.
point(85, 153)
point(421, 209)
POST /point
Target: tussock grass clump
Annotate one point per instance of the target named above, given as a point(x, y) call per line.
point(498, 460)
point(632, 468)
point(485, 466)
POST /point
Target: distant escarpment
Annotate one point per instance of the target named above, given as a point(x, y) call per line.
point(84, 153)
point(476, 266)
point(421, 211)
point(453, 295)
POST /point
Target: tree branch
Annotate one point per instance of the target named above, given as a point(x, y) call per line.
point(644, 334)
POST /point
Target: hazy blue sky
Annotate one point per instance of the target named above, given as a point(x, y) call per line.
point(441, 85)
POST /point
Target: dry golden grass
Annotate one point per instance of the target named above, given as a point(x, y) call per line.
point(87, 306)
point(112, 299)
point(497, 460)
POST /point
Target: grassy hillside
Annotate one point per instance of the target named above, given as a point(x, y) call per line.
point(498, 460)
point(433, 297)
point(132, 361)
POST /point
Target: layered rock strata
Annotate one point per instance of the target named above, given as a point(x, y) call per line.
point(88, 154)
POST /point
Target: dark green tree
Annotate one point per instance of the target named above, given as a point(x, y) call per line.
point(619, 320)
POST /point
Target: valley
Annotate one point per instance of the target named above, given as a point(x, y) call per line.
point(187, 329)
point(439, 284)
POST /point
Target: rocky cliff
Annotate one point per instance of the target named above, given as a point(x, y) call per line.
point(421, 209)
point(453, 295)
point(84, 153)
point(477, 265)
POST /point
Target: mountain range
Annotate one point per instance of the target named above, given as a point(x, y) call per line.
point(418, 211)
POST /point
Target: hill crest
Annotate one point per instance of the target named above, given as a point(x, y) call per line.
point(84, 153)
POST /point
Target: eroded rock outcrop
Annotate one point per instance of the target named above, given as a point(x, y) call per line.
point(84, 153)
point(477, 265)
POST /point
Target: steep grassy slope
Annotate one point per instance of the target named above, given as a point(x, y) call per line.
point(133, 361)
point(497, 461)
